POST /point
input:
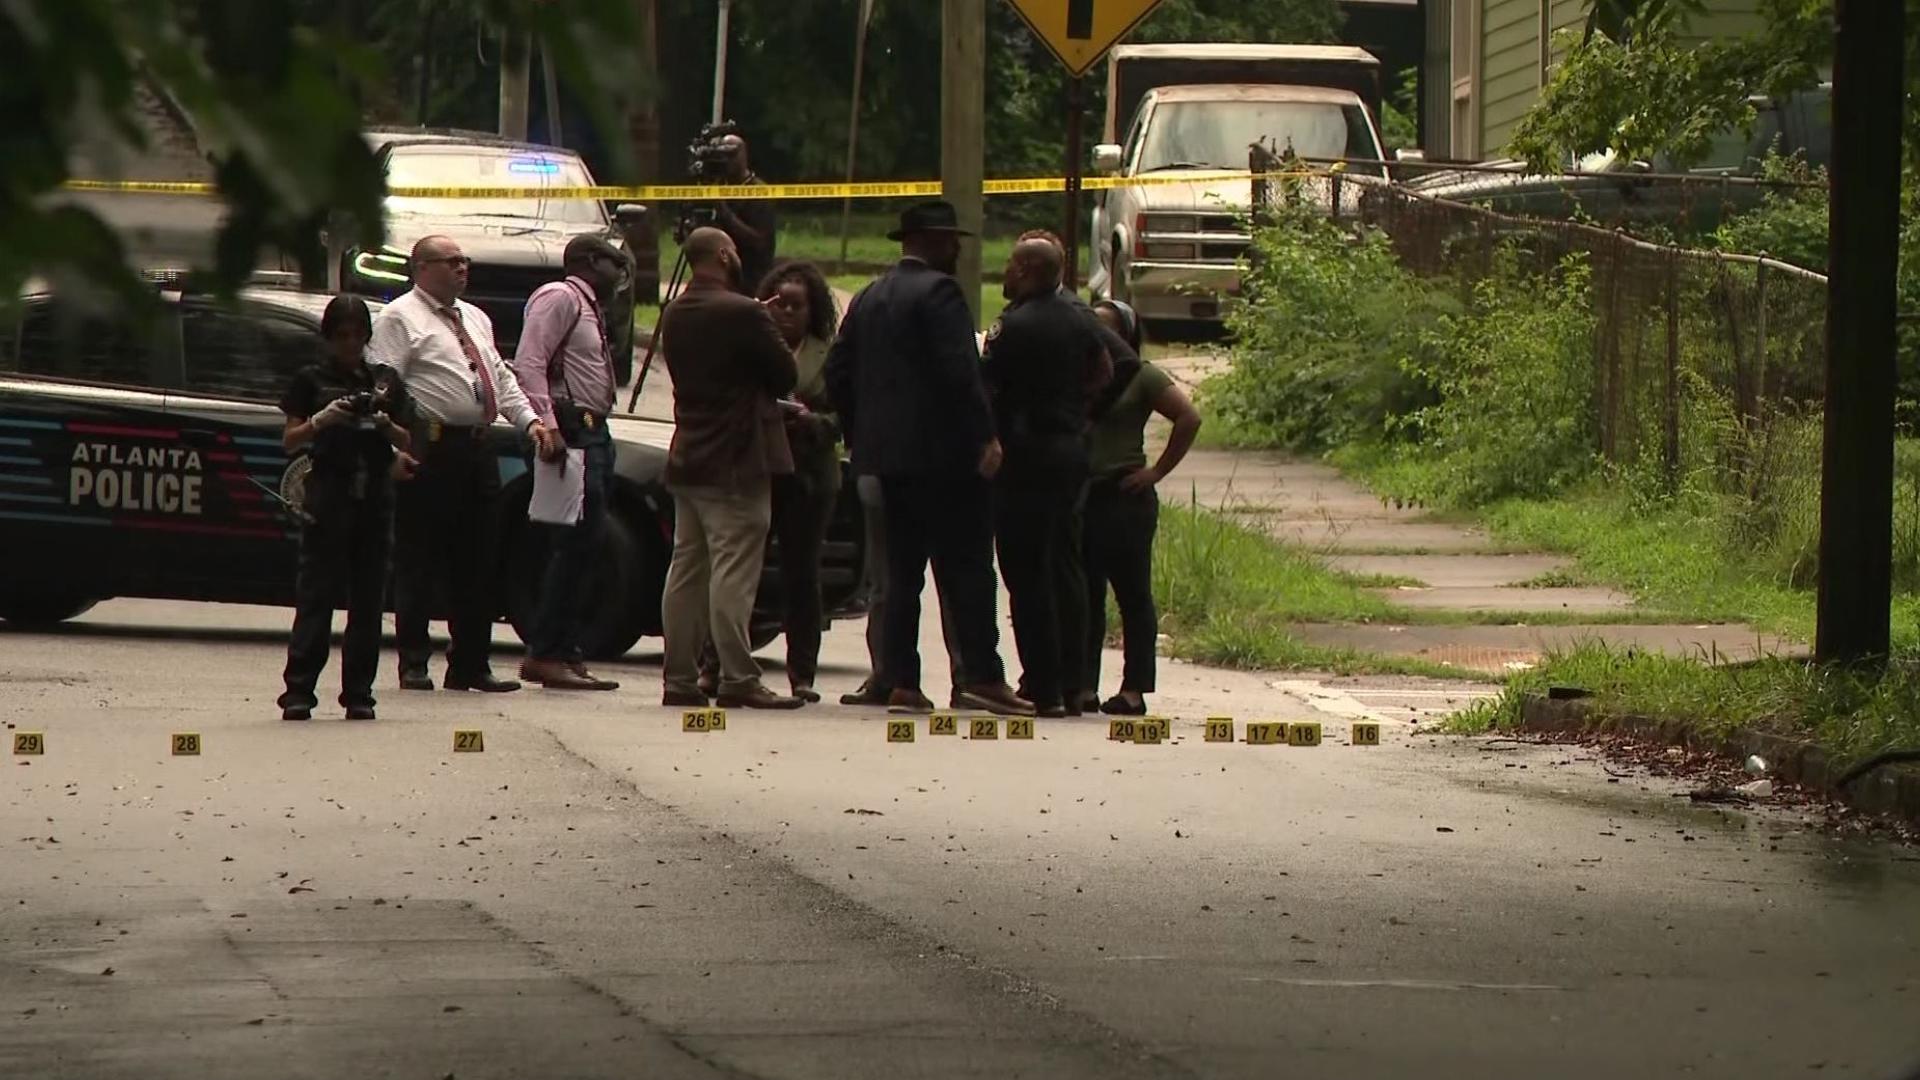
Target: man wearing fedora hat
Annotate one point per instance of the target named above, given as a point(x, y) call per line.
point(904, 373)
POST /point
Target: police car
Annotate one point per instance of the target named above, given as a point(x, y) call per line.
point(143, 458)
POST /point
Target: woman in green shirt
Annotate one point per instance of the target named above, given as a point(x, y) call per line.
point(1123, 511)
point(802, 307)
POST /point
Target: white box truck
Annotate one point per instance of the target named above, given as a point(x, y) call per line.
point(1171, 247)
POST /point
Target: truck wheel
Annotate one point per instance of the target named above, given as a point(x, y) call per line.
point(619, 567)
point(35, 610)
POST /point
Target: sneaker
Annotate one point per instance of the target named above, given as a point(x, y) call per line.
point(908, 703)
point(757, 698)
point(1000, 699)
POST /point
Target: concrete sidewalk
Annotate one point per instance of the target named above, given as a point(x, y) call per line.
point(1435, 567)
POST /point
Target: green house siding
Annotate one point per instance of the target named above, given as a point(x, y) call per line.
point(1509, 67)
point(1510, 77)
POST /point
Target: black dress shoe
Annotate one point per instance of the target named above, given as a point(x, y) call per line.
point(483, 682)
point(868, 695)
point(296, 712)
point(683, 699)
point(415, 679)
point(1050, 712)
point(359, 712)
point(1119, 706)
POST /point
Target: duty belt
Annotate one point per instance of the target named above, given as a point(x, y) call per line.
point(435, 431)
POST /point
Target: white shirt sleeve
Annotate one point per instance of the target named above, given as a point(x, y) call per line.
point(392, 341)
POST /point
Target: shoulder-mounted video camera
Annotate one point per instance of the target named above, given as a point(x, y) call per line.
point(707, 155)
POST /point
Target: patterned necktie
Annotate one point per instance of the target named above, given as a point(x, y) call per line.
point(489, 405)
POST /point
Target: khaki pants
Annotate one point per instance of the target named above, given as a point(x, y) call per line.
point(719, 544)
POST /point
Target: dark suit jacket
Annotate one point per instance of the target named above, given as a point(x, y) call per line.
point(1045, 360)
point(729, 366)
point(904, 374)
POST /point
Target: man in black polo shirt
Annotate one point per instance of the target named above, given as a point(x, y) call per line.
point(1044, 361)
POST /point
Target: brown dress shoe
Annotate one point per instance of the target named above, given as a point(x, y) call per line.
point(684, 699)
point(757, 698)
point(868, 694)
point(1000, 699)
point(908, 702)
point(556, 675)
point(580, 669)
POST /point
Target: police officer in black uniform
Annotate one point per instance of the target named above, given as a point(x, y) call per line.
point(1044, 361)
point(350, 418)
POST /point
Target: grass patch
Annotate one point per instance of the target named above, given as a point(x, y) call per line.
point(1849, 714)
point(1385, 581)
point(1554, 579)
point(1228, 596)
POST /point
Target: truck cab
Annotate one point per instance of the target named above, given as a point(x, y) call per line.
point(1169, 234)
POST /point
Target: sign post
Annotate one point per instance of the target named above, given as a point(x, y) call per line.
point(1079, 33)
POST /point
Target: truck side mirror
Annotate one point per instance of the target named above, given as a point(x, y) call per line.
point(628, 213)
point(1106, 158)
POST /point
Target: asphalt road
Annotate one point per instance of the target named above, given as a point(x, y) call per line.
point(598, 894)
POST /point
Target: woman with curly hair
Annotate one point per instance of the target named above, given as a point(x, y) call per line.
point(803, 308)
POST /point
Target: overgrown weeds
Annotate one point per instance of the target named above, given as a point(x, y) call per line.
point(1850, 714)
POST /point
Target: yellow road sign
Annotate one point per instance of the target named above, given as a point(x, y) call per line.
point(1080, 32)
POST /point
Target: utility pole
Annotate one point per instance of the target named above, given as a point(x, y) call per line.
point(550, 81)
point(1863, 235)
point(720, 62)
point(515, 76)
point(853, 121)
point(963, 129)
point(643, 130)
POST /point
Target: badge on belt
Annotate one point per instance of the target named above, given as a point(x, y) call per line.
point(587, 419)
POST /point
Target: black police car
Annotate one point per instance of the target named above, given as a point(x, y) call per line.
point(144, 459)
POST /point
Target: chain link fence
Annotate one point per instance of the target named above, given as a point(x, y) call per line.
point(1678, 333)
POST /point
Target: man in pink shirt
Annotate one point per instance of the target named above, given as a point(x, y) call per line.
point(565, 368)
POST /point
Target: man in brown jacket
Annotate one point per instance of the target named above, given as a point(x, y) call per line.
point(729, 367)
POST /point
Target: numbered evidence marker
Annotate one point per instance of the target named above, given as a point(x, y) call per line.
point(468, 741)
point(716, 719)
point(1366, 734)
point(1219, 729)
point(1121, 730)
point(943, 723)
point(1150, 730)
point(699, 721)
point(1266, 734)
point(186, 744)
point(983, 727)
point(1306, 733)
point(29, 742)
point(1019, 727)
point(899, 731)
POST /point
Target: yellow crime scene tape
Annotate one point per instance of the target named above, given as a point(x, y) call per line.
point(925, 189)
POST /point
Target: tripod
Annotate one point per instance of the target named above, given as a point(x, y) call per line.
point(691, 218)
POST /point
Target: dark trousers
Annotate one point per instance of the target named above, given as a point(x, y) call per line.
point(802, 511)
point(571, 549)
point(945, 519)
point(1034, 521)
point(343, 560)
point(444, 547)
point(1119, 528)
point(874, 519)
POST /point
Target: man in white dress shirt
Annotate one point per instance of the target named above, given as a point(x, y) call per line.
point(442, 347)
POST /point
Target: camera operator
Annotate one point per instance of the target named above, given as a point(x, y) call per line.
point(351, 419)
point(750, 222)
